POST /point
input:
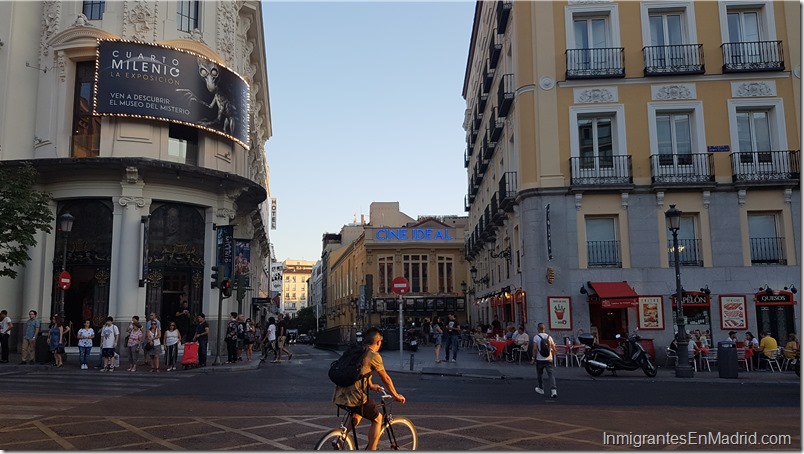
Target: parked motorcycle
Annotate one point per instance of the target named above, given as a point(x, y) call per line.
point(410, 341)
point(602, 358)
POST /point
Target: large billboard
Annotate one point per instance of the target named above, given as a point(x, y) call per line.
point(157, 82)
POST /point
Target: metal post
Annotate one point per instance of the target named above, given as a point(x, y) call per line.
point(401, 354)
point(218, 336)
point(60, 310)
point(683, 368)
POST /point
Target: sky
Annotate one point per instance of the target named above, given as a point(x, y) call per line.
point(366, 106)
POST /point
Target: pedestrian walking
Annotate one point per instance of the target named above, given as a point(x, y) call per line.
point(437, 332)
point(453, 337)
point(153, 346)
point(269, 340)
point(32, 328)
point(134, 343)
point(231, 338)
point(5, 333)
point(202, 337)
point(171, 342)
point(54, 340)
point(249, 338)
point(241, 336)
point(281, 338)
point(85, 336)
point(544, 350)
point(109, 336)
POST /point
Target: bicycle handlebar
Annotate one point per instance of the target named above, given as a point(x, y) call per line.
point(384, 393)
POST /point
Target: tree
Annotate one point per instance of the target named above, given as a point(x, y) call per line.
point(304, 320)
point(23, 212)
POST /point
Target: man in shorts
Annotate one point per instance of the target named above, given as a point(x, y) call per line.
point(355, 396)
point(109, 336)
point(281, 339)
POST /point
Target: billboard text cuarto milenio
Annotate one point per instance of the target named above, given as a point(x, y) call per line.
point(162, 83)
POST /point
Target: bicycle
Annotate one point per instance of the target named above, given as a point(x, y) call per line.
point(395, 434)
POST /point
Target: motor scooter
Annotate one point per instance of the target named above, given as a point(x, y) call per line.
point(410, 341)
point(602, 358)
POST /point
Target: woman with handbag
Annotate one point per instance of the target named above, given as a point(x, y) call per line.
point(153, 346)
point(135, 336)
point(54, 339)
point(171, 341)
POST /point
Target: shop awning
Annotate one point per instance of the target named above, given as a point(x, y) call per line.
point(614, 295)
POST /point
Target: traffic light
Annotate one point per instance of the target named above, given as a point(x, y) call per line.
point(241, 287)
point(226, 288)
point(217, 277)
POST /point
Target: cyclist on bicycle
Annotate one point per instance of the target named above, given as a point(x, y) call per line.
point(355, 397)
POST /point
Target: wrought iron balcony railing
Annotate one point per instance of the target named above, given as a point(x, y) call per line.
point(695, 168)
point(601, 170)
point(507, 191)
point(689, 253)
point(505, 94)
point(495, 48)
point(496, 124)
point(765, 166)
point(752, 56)
point(595, 63)
point(671, 60)
point(503, 12)
point(603, 254)
point(768, 250)
point(488, 75)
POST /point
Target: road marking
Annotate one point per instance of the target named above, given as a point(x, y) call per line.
point(146, 435)
point(53, 436)
point(246, 434)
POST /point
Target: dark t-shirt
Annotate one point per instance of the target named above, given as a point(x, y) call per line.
point(281, 328)
point(183, 322)
point(199, 330)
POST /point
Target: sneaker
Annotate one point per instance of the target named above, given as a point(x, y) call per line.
point(554, 394)
point(539, 390)
point(290, 356)
point(452, 361)
point(111, 369)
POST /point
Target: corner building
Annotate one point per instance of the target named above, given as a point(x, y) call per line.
point(147, 123)
point(585, 121)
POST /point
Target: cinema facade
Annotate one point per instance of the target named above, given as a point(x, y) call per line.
point(147, 126)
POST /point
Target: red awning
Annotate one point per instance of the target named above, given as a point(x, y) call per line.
point(615, 294)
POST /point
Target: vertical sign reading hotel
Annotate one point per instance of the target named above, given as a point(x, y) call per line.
point(273, 213)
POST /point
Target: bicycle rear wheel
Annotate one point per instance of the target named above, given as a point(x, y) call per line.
point(335, 441)
point(399, 434)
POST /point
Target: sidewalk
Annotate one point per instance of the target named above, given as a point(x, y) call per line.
point(469, 364)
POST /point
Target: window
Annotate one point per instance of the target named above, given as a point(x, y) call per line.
point(689, 246)
point(593, 41)
point(187, 15)
point(678, 142)
point(673, 138)
point(749, 36)
point(758, 136)
point(602, 246)
point(765, 243)
point(94, 10)
point(86, 128)
point(415, 271)
point(445, 275)
point(598, 154)
point(669, 37)
point(595, 142)
point(386, 273)
point(183, 144)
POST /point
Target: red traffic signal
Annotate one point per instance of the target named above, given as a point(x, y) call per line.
point(226, 288)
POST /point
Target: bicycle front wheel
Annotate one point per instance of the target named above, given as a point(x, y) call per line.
point(399, 434)
point(334, 440)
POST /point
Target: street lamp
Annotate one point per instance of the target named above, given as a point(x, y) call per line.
point(683, 369)
point(66, 223)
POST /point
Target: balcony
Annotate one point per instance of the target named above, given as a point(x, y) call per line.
point(752, 56)
point(673, 60)
point(601, 170)
point(482, 97)
point(507, 191)
point(466, 155)
point(768, 251)
point(689, 253)
point(772, 167)
point(595, 63)
point(495, 48)
point(488, 76)
point(466, 203)
point(503, 12)
point(505, 94)
point(682, 169)
point(470, 145)
point(603, 254)
point(496, 125)
point(497, 215)
point(489, 229)
point(488, 146)
point(470, 196)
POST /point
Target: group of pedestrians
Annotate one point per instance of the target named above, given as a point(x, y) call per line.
point(274, 339)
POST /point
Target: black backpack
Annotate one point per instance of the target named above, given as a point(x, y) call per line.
point(544, 346)
point(345, 371)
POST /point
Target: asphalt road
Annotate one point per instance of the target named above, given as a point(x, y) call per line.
point(288, 407)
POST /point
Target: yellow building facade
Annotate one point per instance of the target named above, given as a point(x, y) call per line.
point(586, 121)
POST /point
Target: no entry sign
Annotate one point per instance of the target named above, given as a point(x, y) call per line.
point(64, 280)
point(400, 285)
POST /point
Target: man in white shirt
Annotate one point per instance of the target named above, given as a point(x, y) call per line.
point(109, 336)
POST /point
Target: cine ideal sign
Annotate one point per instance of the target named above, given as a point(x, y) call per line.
point(157, 82)
point(406, 234)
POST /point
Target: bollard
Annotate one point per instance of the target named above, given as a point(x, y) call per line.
point(411, 361)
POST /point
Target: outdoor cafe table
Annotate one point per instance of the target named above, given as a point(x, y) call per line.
point(500, 345)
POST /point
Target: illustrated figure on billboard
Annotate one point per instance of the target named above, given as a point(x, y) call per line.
point(227, 110)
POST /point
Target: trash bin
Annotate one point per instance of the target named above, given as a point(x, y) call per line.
point(727, 359)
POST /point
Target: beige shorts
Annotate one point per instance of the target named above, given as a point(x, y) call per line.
point(280, 341)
